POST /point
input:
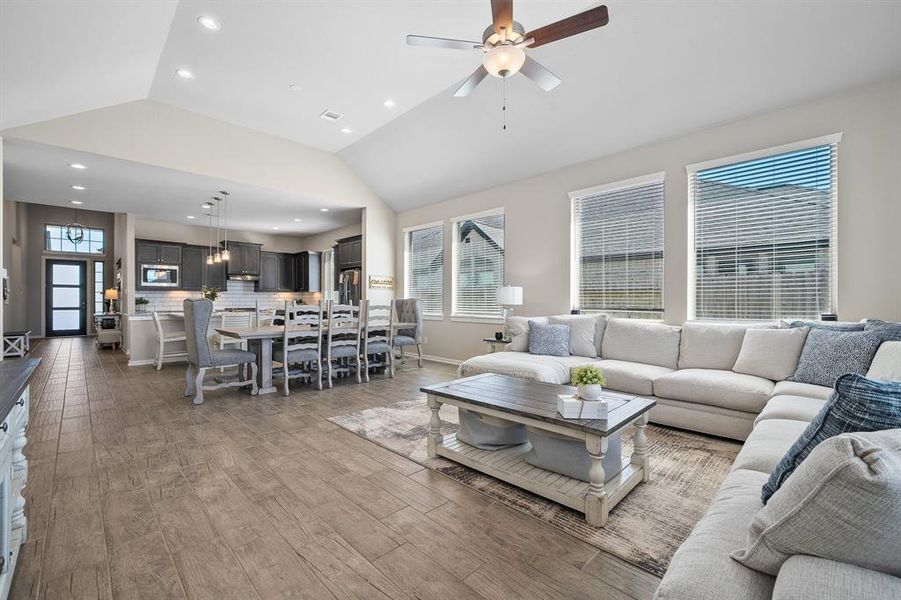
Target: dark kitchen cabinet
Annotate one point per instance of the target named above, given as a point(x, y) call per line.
point(193, 264)
point(306, 269)
point(245, 259)
point(157, 253)
point(349, 253)
point(276, 272)
point(285, 272)
point(214, 275)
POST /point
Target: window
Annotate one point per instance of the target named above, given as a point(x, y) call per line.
point(55, 240)
point(617, 256)
point(424, 266)
point(478, 264)
point(99, 286)
point(764, 232)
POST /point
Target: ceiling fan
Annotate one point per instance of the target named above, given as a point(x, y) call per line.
point(505, 40)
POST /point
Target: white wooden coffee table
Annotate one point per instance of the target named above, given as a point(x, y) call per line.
point(535, 405)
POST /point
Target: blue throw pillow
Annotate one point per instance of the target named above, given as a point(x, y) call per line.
point(857, 404)
point(550, 340)
point(887, 330)
point(828, 354)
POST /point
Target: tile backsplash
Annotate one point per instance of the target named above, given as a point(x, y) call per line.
point(238, 294)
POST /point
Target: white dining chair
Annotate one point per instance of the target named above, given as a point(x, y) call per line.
point(301, 349)
point(166, 335)
point(232, 320)
point(342, 340)
point(378, 326)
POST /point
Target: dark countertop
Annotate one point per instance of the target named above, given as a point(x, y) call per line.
point(15, 373)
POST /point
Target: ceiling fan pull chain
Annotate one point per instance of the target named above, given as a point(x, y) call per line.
point(504, 104)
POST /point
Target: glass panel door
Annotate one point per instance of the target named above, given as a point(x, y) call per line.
point(66, 297)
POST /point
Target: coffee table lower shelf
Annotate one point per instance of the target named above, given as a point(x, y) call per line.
point(509, 465)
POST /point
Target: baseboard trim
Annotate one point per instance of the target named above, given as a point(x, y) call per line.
point(152, 361)
point(441, 359)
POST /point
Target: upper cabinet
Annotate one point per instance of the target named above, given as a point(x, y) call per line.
point(276, 272)
point(306, 270)
point(160, 253)
point(195, 273)
point(245, 259)
point(349, 253)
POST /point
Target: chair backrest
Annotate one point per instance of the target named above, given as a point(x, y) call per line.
point(409, 310)
point(237, 319)
point(264, 316)
point(197, 323)
point(344, 325)
point(379, 324)
point(308, 316)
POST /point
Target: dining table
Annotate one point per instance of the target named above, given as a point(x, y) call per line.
point(259, 341)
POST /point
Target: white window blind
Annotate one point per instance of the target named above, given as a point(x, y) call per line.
point(425, 267)
point(618, 250)
point(478, 265)
point(764, 236)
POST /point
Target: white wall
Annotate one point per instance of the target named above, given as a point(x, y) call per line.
point(327, 240)
point(146, 229)
point(538, 211)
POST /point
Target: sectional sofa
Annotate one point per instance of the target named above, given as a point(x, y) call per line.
point(690, 372)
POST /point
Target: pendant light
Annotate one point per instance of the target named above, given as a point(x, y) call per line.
point(218, 257)
point(226, 255)
point(209, 254)
point(75, 230)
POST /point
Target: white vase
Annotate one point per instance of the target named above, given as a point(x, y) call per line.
point(592, 391)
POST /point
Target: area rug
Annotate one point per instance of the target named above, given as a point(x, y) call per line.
point(644, 529)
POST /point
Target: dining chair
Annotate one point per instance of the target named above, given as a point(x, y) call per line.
point(302, 348)
point(342, 340)
point(263, 316)
point(168, 336)
point(201, 356)
point(378, 326)
point(409, 310)
point(232, 320)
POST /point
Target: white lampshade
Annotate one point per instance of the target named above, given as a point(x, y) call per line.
point(509, 295)
point(503, 61)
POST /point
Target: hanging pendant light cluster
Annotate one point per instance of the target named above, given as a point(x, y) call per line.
point(209, 257)
point(226, 255)
point(217, 206)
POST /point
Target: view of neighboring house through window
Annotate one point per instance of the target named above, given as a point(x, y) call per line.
point(55, 240)
point(478, 264)
point(617, 248)
point(99, 286)
point(424, 260)
point(764, 235)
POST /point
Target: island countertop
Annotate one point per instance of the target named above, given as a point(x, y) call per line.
point(14, 377)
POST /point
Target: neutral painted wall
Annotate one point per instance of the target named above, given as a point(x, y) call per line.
point(15, 244)
point(538, 211)
point(327, 240)
point(199, 235)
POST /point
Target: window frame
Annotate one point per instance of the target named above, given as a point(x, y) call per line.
point(87, 229)
point(455, 223)
point(406, 237)
point(574, 254)
point(691, 171)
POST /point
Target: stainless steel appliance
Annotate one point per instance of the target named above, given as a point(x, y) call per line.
point(349, 281)
point(163, 276)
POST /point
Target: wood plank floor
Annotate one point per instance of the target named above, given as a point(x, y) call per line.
point(135, 493)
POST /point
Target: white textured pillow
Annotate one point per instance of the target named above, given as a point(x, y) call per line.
point(771, 353)
point(842, 503)
point(518, 330)
point(710, 346)
point(886, 364)
point(581, 333)
point(599, 330)
point(641, 342)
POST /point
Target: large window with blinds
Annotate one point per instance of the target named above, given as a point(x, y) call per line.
point(763, 234)
point(478, 264)
point(424, 266)
point(617, 248)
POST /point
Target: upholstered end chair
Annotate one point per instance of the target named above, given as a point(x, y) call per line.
point(409, 310)
point(202, 357)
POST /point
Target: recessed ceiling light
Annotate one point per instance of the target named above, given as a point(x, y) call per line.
point(206, 206)
point(190, 216)
point(77, 166)
point(276, 228)
point(184, 73)
point(389, 103)
point(80, 188)
point(298, 220)
point(346, 130)
point(330, 115)
point(76, 202)
point(323, 210)
point(208, 22)
point(294, 87)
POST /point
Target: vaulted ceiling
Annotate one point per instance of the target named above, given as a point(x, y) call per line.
point(658, 69)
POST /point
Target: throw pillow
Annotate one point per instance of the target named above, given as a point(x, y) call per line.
point(710, 346)
point(642, 342)
point(886, 329)
point(886, 364)
point(581, 333)
point(831, 325)
point(836, 505)
point(770, 353)
point(549, 340)
point(518, 332)
point(827, 354)
point(858, 404)
point(599, 330)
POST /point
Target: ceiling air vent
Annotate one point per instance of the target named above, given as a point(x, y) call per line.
point(330, 115)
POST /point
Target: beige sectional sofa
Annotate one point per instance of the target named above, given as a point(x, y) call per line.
point(689, 371)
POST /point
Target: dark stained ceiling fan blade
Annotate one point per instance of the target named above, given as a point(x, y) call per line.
point(584, 21)
point(436, 42)
point(471, 82)
point(502, 15)
point(540, 75)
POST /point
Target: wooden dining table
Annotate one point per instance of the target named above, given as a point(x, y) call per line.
point(259, 341)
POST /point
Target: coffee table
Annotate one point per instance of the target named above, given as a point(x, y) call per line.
point(535, 405)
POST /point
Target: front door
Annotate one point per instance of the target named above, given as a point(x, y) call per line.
point(66, 297)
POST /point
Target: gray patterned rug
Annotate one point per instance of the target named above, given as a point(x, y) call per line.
point(644, 529)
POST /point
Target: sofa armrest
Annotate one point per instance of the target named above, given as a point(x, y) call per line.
point(806, 577)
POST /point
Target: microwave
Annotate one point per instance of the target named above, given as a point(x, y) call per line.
point(164, 276)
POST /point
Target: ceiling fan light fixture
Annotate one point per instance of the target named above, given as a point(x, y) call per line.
point(504, 61)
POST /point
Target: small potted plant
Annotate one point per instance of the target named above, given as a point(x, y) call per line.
point(210, 293)
point(141, 304)
point(590, 381)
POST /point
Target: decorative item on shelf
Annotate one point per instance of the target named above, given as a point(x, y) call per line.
point(141, 304)
point(111, 299)
point(498, 335)
point(590, 381)
point(210, 293)
point(381, 282)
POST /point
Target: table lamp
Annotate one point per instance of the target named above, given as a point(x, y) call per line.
point(509, 296)
point(111, 295)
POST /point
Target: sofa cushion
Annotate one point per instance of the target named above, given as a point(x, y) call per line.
point(701, 568)
point(795, 388)
point(830, 325)
point(710, 346)
point(582, 330)
point(887, 330)
point(637, 341)
point(548, 369)
point(886, 363)
point(810, 578)
point(794, 408)
point(518, 332)
point(549, 340)
point(599, 330)
point(717, 388)
point(842, 503)
point(767, 444)
point(631, 377)
point(858, 404)
point(829, 354)
point(771, 353)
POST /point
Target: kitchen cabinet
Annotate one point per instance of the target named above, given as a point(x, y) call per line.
point(214, 275)
point(193, 264)
point(157, 253)
point(306, 269)
point(349, 253)
point(245, 259)
point(285, 272)
point(276, 272)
